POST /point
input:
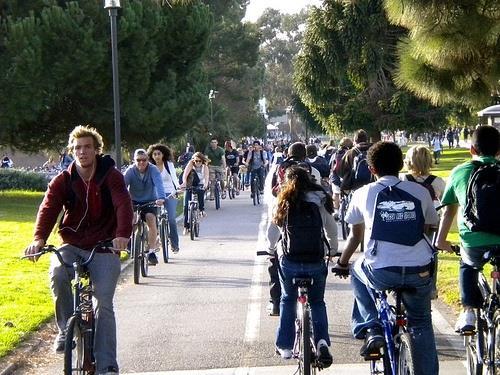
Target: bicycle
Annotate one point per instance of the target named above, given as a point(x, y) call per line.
point(482, 345)
point(139, 242)
point(194, 213)
point(232, 184)
point(304, 349)
point(217, 189)
point(255, 188)
point(345, 199)
point(80, 328)
point(164, 228)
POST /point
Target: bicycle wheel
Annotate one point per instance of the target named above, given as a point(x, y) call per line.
point(496, 343)
point(255, 191)
point(74, 348)
point(217, 195)
point(164, 239)
point(473, 348)
point(305, 361)
point(192, 222)
point(144, 255)
point(405, 365)
point(230, 191)
point(197, 223)
point(136, 249)
point(343, 223)
point(258, 197)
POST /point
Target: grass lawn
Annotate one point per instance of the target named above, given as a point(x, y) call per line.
point(25, 300)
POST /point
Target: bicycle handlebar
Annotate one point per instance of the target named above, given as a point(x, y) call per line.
point(103, 245)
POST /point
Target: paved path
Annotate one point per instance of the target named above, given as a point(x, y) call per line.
point(204, 312)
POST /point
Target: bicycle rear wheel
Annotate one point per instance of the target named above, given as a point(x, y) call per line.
point(496, 343)
point(136, 249)
point(74, 349)
point(192, 222)
point(164, 239)
point(305, 361)
point(474, 345)
point(405, 364)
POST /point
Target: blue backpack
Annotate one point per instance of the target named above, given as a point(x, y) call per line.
point(361, 175)
point(398, 217)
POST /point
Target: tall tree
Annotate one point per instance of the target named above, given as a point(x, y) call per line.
point(452, 52)
point(344, 72)
point(55, 70)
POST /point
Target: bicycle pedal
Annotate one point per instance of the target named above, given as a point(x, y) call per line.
point(468, 332)
point(372, 356)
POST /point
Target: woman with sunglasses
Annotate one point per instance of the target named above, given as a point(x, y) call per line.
point(161, 156)
point(196, 175)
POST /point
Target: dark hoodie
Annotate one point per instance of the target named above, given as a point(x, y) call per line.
point(101, 210)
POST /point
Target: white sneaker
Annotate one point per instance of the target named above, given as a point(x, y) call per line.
point(466, 321)
point(284, 353)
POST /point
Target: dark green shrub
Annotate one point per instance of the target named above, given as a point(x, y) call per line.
point(15, 179)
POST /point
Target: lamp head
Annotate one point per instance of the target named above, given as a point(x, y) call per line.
point(110, 4)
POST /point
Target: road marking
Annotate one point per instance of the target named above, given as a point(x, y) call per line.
point(252, 326)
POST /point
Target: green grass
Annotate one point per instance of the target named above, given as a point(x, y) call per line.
point(25, 300)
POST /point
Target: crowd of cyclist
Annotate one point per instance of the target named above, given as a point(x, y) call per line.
point(97, 206)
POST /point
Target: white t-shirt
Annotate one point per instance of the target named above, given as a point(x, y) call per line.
point(169, 185)
point(361, 209)
point(438, 185)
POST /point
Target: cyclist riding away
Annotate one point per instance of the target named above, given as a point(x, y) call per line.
point(145, 185)
point(396, 215)
point(161, 156)
point(217, 160)
point(97, 207)
point(354, 171)
point(475, 240)
point(304, 217)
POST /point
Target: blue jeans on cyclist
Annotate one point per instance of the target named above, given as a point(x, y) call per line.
point(259, 172)
point(201, 202)
point(286, 328)
point(417, 304)
point(104, 272)
point(171, 207)
point(470, 263)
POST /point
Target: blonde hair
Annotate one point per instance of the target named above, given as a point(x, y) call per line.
point(418, 160)
point(82, 131)
point(201, 156)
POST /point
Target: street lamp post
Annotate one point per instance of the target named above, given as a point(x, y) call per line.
point(211, 97)
point(112, 6)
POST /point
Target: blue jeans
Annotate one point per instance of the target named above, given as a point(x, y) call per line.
point(104, 272)
point(187, 198)
point(417, 304)
point(171, 207)
point(472, 260)
point(285, 336)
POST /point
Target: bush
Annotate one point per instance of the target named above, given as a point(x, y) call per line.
point(15, 179)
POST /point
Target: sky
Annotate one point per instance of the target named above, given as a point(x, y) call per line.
point(256, 7)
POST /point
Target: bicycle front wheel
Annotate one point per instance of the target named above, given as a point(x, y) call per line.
point(74, 348)
point(217, 196)
point(136, 249)
point(164, 239)
point(144, 257)
point(405, 365)
point(305, 360)
point(192, 222)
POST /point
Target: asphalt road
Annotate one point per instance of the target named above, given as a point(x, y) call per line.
point(205, 311)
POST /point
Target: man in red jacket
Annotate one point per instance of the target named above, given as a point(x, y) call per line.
point(97, 207)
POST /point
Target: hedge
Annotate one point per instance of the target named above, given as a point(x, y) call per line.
point(16, 179)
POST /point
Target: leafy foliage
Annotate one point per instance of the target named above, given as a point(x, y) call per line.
point(55, 70)
point(451, 54)
point(344, 73)
point(21, 180)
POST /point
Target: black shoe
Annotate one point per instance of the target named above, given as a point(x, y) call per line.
point(251, 195)
point(273, 309)
point(324, 356)
point(152, 259)
point(374, 341)
point(111, 370)
point(175, 250)
point(59, 344)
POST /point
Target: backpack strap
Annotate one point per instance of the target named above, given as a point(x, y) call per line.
point(410, 178)
point(429, 180)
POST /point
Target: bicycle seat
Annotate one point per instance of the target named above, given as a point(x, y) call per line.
point(302, 281)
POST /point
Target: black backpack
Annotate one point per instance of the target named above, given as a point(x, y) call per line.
point(482, 210)
point(427, 183)
point(279, 175)
point(303, 239)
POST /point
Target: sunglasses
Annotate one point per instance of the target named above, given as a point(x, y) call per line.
point(198, 161)
point(141, 160)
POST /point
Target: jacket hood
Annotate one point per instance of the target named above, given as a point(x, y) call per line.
point(316, 196)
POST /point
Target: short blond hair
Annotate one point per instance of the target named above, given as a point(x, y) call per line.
point(82, 131)
point(418, 160)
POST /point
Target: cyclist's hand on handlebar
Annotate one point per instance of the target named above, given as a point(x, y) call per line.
point(34, 248)
point(444, 246)
point(159, 202)
point(340, 271)
point(120, 243)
